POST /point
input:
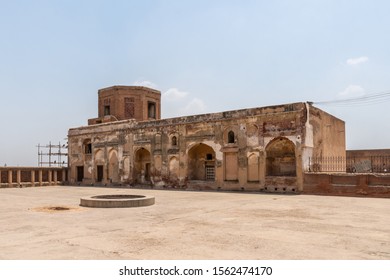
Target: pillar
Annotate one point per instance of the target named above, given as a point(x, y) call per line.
point(10, 177)
point(50, 177)
point(262, 168)
point(32, 178)
point(299, 169)
point(40, 177)
point(55, 177)
point(18, 177)
point(63, 175)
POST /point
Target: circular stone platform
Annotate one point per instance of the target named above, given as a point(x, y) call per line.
point(116, 201)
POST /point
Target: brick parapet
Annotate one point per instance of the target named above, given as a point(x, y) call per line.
point(365, 185)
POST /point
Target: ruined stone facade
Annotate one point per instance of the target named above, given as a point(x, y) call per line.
point(256, 149)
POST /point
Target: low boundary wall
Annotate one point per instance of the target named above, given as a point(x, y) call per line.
point(365, 185)
point(32, 176)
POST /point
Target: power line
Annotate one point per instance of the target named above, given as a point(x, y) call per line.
point(368, 99)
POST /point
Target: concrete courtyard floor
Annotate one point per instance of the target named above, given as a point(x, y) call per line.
point(192, 225)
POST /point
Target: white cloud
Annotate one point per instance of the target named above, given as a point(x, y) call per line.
point(177, 103)
point(144, 83)
point(194, 107)
point(173, 94)
point(352, 91)
point(357, 60)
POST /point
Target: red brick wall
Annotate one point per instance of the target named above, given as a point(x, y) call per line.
point(370, 185)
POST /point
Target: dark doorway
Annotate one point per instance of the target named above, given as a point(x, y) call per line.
point(281, 159)
point(147, 172)
point(151, 110)
point(80, 173)
point(100, 173)
point(107, 110)
point(201, 163)
point(142, 165)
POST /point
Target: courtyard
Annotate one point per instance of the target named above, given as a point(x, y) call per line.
point(48, 223)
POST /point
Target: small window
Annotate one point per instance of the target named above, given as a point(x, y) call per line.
point(151, 110)
point(107, 110)
point(209, 157)
point(174, 141)
point(88, 148)
point(231, 137)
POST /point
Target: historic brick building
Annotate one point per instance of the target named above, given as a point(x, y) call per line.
point(256, 149)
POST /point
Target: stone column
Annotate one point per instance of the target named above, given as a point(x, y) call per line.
point(63, 175)
point(55, 177)
point(262, 168)
point(299, 169)
point(32, 178)
point(18, 177)
point(40, 177)
point(10, 178)
point(50, 177)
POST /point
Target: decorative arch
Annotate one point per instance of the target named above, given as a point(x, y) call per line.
point(99, 165)
point(174, 141)
point(142, 165)
point(252, 135)
point(126, 167)
point(231, 137)
point(87, 146)
point(253, 168)
point(113, 166)
point(201, 162)
point(280, 158)
point(252, 130)
point(174, 167)
point(99, 155)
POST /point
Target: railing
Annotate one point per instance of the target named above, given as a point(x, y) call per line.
point(364, 164)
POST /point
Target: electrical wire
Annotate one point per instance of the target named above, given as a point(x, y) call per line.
point(368, 99)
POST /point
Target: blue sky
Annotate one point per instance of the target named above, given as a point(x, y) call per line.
point(204, 56)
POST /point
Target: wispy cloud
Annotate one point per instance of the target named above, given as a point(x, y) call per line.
point(174, 94)
point(357, 60)
point(352, 91)
point(195, 106)
point(144, 83)
point(176, 103)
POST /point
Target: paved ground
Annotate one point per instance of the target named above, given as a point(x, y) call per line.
point(192, 225)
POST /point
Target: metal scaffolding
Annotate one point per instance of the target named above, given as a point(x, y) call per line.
point(53, 155)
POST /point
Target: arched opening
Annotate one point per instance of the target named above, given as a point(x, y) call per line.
point(173, 167)
point(231, 137)
point(126, 168)
point(87, 146)
point(142, 165)
point(113, 170)
point(99, 165)
point(253, 168)
point(281, 158)
point(201, 163)
point(174, 141)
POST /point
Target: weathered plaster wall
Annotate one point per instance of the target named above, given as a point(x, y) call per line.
point(328, 133)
